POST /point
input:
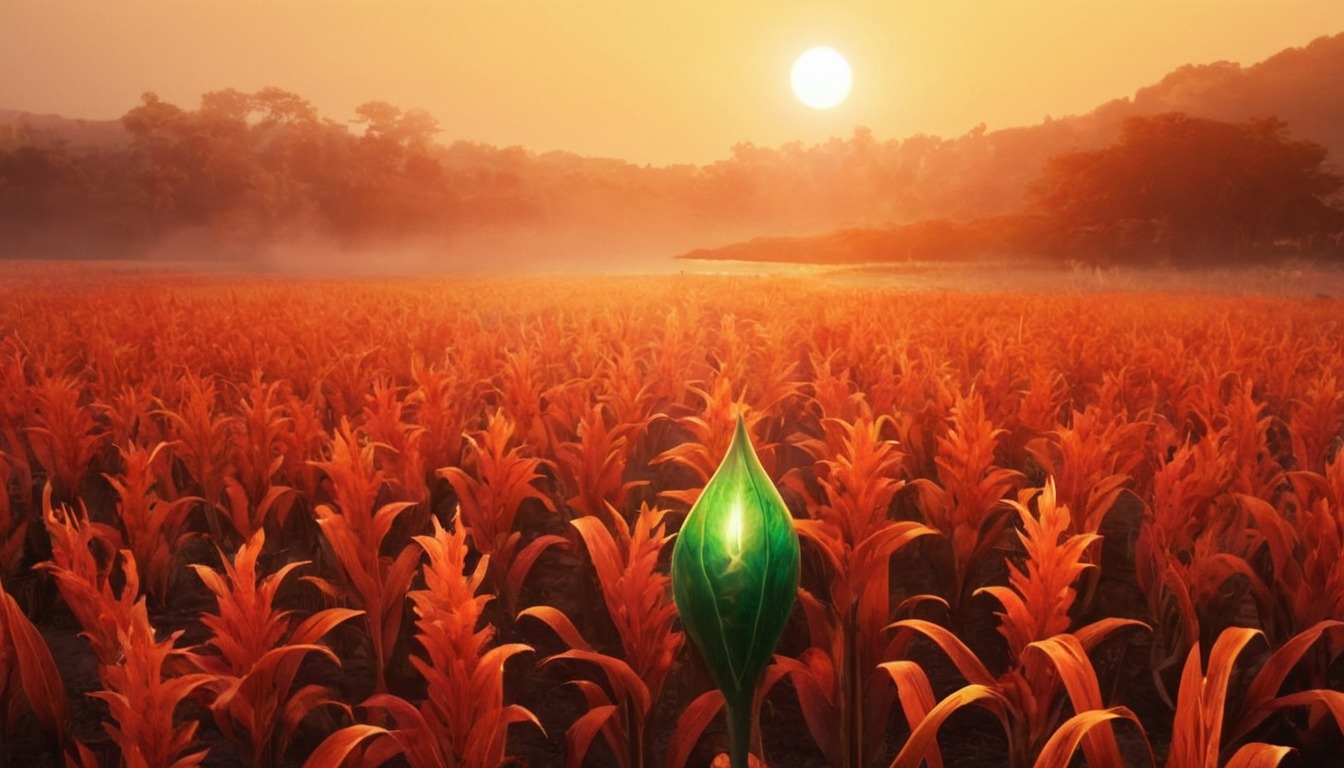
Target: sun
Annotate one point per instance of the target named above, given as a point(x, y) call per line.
point(821, 78)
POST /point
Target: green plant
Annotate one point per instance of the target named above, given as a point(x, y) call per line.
point(734, 578)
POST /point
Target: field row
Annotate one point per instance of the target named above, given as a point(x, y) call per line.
point(433, 519)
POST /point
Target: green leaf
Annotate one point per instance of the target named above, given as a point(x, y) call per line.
point(735, 571)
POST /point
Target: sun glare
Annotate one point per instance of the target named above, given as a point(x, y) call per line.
point(821, 78)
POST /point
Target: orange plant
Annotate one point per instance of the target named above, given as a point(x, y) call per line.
point(464, 721)
point(920, 396)
point(437, 404)
point(199, 430)
point(257, 653)
point(385, 421)
point(624, 390)
point(1318, 422)
point(1091, 459)
point(1221, 415)
point(67, 434)
point(1035, 622)
point(831, 385)
point(593, 466)
point(1194, 539)
point(966, 504)
point(845, 700)
point(1198, 739)
point(142, 696)
point(129, 411)
point(153, 526)
point(29, 678)
point(13, 527)
point(518, 390)
point(307, 440)
point(84, 556)
point(638, 600)
point(1304, 543)
point(256, 455)
point(490, 496)
point(344, 380)
point(356, 529)
point(711, 430)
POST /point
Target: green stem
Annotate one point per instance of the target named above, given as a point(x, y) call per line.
point(739, 732)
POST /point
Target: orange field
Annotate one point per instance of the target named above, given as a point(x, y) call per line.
point(264, 521)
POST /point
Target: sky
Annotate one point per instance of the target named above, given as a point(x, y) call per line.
point(649, 82)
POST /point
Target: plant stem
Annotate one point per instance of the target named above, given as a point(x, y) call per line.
point(851, 711)
point(635, 742)
point(739, 731)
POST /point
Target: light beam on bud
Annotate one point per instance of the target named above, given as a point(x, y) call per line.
point(734, 580)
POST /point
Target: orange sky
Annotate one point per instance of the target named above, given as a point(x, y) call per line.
point(649, 82)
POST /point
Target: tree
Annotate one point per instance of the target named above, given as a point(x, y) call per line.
point(1188, 188)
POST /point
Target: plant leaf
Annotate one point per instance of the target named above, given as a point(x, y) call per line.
point(917, 700)
point(735, 570)
point(1260, 695)
point(1058, 750)
point(38, 673)
point(560, 624)
point(579, 737)
point(922, 736)
point(691, 725)
point(964, 658)
point(1258, 755)
point(334, 749)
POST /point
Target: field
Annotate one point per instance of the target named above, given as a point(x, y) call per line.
point(281, 521)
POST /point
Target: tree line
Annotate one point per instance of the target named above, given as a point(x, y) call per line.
point(1172, 189)
point(248, 168)
point(245, 168)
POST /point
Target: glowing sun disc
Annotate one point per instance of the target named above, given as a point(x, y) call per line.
point(821, 78)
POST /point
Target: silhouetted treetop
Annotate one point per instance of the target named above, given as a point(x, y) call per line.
point(1186, 186)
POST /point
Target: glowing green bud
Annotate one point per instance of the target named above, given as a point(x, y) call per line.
point(735, 577)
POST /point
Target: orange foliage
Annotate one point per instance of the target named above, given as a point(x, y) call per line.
point(340, 422)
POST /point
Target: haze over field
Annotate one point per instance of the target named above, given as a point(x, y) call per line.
point(589, 133)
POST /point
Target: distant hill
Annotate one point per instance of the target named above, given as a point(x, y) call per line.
point(1304, 87)
point(984, 175)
